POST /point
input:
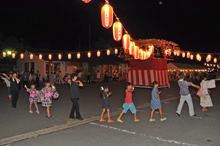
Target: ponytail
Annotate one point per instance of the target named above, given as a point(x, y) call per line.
point(102, 91)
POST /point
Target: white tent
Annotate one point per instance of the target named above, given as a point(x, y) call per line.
point(183, 67)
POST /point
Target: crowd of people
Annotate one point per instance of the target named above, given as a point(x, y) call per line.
point(48, 92)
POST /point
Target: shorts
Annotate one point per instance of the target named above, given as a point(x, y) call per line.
point(130, 107)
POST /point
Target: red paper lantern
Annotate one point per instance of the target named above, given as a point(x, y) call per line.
point(148, 53)
point(98, 53)
point(136, 51)
point(49, 56)
point(215, 60)
point(188, 55)
point(108, 52)
point(78, 55)
point(175, 52)
point(126, 41)
point(204, 63)
point(22, 55)
point(213, 65)
point(183, 54)
point(31, 56)
point(89, 54)
point(107, 15)
point(59, 56)
point(86, 1)
point(40, 56)
point(131, 48)
point(217, 65)
point(117, 31)
point(116, 51)
point(191, 57)
point(4, 54)
point(13, 55)
point(69, 56)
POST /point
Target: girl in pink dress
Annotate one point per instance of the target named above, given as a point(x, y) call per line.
point(33, 97)
point(46, 95)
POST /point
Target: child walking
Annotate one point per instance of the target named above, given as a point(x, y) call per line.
point(33, 97)
point(46, 97)
point(155, 102)
point(128, 105)
point(105, 103)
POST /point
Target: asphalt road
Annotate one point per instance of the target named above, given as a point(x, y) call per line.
point(184, 130)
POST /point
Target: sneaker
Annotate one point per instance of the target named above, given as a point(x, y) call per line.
point(152, 120)
point(120, 121)
point(103, 120)
point(163, 119)
point(31, 112)
point(178, 115)
point(194, 116)
point(110, 121)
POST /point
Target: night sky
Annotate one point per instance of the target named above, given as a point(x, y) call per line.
point(58, 24)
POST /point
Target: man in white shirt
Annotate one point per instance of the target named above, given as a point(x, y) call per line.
point(7, 82)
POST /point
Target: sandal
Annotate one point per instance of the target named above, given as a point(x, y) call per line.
point(137, 120)
point(120, 121)
point(31, 112)
point(163, 119)
point(152, 120)
point(110, 121)
point(102, 120)
point(49, 117)
point(37, 112)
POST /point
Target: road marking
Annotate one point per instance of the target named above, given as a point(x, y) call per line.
point(144, 135)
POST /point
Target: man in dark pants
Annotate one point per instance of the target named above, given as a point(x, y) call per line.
point(14, 88)
point(25, 79)
point(74, 93)
point(37, 78)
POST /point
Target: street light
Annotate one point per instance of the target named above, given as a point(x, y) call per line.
point(9, 52)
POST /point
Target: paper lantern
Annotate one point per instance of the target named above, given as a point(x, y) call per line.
point(126, 41)
point(13, 55)
point(89, 54)
point(131, 48)
point(197, 57)
point(207, 64)
point(213, 65)
point(148, 53)
point(178, 53)
point(210, 64)
point(49, 56)
point(169, 52)
point(98, 53)
point(4, 54)
point(22, 55)
point(40, 56)
point(204, 63)
point(69, 56)
point(151, 49)
point(208, 58)
point(141, 56)
point(108, 52)
point(59, 56)
point(188, 55)
point(86, 1)
point(31, 56)
point(136, 51)
point(107, 15)
point(116, 51)
point(215, 60)
point(78, 55)
point(183, 54)
point(117, 31)
point(217, 65)
point(191, 57)
point(175, 52)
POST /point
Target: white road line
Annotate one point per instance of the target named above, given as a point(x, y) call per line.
point(143, 135)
